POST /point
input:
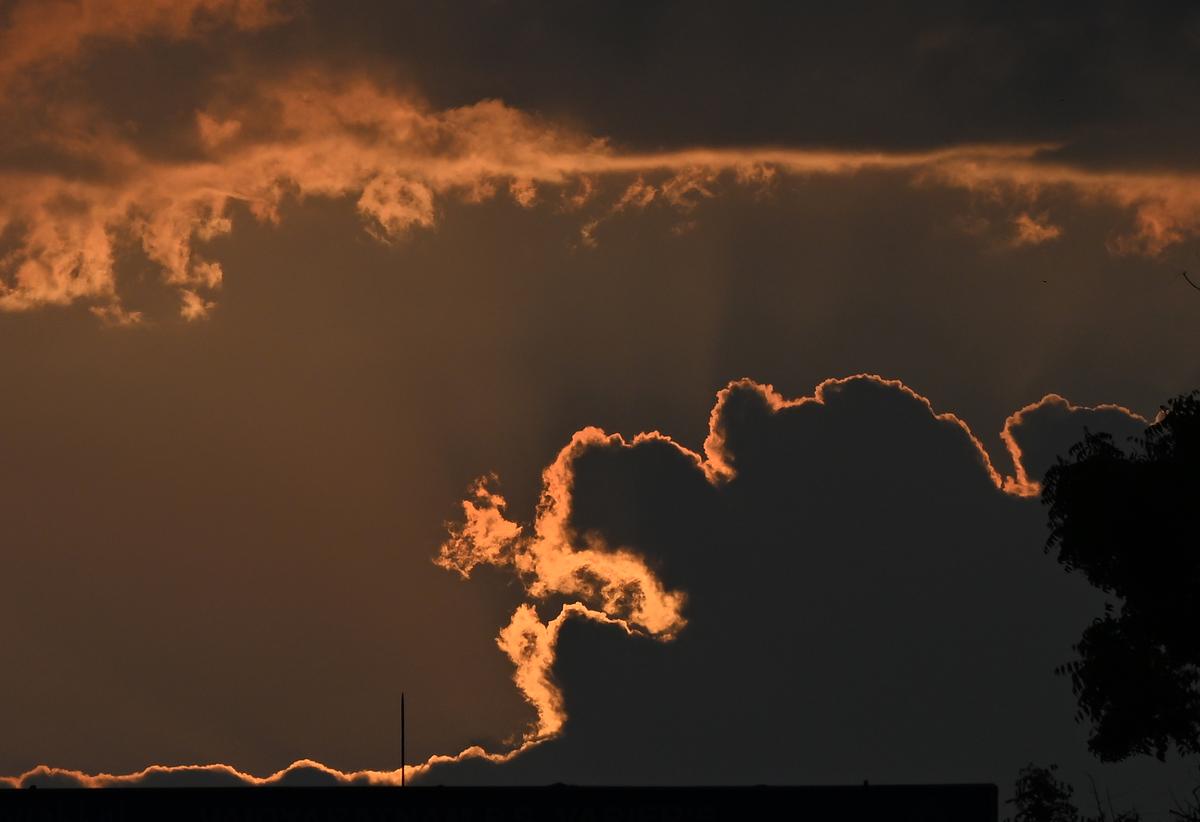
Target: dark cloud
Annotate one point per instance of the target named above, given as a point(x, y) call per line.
point(1040, 431)
point(862, 602)
point(1111, 81)
point(850, 74)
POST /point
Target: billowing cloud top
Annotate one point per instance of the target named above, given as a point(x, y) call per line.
point(860, 580)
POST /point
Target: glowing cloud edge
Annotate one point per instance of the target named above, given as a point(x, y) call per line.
point(548, 565)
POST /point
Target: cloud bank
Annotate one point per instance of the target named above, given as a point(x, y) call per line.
point(866, 597)
point(101, 193)
point(560, 557)
point(762, 551)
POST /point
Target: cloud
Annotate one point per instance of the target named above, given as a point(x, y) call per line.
point(865, 596)
point(303, 772)
point(1034, 230)
point(103, 191)
point(617, 581)
point(45, 34)
point(1036, 435)
point(848, 569)
point(613, 586)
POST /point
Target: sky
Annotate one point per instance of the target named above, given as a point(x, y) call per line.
point(653, 393)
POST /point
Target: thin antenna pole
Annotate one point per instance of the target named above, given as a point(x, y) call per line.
point(402, 757)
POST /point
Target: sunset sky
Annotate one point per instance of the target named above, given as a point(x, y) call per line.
point(654, 392)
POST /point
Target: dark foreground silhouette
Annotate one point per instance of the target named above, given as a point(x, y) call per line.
point(1126, 519)
point(929, 803)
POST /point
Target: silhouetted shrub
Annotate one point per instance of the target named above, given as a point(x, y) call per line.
point(1039, 796)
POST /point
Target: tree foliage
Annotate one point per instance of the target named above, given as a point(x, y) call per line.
point(1129, 521)
point(1039, 796)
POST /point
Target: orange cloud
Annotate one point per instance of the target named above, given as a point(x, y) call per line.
point(1034, 230)
point(308, 136)
point(47, 776)
point(349, 138)
point(615, 584)
point(616, 581)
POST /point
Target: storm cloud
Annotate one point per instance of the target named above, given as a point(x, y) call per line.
point(866, 597)
point(681, 602)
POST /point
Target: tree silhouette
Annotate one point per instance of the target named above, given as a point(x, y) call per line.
point(1039, 796)
point(1130, 523)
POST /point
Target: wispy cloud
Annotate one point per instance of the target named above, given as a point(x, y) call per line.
point(1032, 230)
point(398, 160)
